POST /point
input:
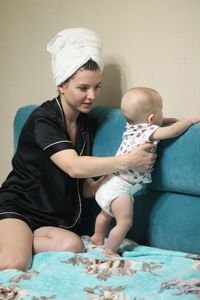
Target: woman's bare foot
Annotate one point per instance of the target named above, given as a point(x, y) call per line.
point(109, 253)
point(97, 240)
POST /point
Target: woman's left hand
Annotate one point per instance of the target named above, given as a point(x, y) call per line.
point(90, 186)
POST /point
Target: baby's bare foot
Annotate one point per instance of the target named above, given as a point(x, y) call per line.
point(109, 253)
point(97, 240)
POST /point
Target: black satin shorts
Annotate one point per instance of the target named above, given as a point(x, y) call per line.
point(33, 221)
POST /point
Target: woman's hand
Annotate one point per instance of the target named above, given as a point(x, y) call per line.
point(141, 159)
point(90, 186)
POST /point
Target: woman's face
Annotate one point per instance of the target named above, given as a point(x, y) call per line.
point(81, 91)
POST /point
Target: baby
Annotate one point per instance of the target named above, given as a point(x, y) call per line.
point(142, 108)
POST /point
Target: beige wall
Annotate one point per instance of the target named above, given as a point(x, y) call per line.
point(153, 43)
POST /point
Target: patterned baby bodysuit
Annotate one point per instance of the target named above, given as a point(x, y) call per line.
point(134, 136)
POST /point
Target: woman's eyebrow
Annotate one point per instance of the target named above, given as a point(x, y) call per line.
point(86, 84)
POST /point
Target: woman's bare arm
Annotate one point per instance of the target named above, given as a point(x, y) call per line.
point(89, 166)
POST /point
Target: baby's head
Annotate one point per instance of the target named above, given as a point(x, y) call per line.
point(142, 105)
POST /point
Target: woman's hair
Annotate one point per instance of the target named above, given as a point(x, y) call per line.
point(90, 65)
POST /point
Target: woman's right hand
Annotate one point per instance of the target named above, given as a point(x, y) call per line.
point(141, 159)
point(90, 166)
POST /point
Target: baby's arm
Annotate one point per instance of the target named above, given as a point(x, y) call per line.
point(173, 130)
point(169, 120)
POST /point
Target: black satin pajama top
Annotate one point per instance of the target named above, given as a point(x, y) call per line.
point(36, 190)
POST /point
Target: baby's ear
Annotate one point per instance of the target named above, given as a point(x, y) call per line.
point(150, 118)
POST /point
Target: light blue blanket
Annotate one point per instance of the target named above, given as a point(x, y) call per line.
point(142, 273)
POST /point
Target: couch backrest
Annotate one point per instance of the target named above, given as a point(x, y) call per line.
point(178, 158)
point(21, 116)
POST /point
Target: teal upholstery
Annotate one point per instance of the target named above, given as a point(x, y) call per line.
point(20, 118)
point(167, 211)
point(178, 164)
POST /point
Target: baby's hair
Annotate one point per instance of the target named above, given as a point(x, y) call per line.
point(137, 103)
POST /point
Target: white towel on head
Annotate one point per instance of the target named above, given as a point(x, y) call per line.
point(71, 49)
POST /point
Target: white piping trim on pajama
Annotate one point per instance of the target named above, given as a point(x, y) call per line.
point(14, 213)
point(79, 197)
point(80, 210)
point(64, 141)
point(60, 109)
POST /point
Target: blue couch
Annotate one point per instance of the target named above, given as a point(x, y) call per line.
point(165, 264)
point(167, 211)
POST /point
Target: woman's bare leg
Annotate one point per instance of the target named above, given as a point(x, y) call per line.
point(122, 209)
point(50, 238)
point(101, 226)
point(16, 240)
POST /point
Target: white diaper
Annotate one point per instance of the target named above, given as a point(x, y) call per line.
point(111, 189)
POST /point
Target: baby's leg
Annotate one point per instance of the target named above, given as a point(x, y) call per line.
point(122, 209)
point(101, 225)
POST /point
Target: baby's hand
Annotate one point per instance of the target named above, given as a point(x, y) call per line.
point(195, 120)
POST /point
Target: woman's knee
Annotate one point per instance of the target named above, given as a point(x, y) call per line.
point(75, 244)
point(15, 244)
point(14, 262)
point(57, 239)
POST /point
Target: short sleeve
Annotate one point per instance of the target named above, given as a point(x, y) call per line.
point(51, 136)
point(148, 132)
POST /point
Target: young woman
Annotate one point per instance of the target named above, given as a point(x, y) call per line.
point(40, 201)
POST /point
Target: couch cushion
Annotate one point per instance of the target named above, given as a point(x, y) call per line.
point(174, 222)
